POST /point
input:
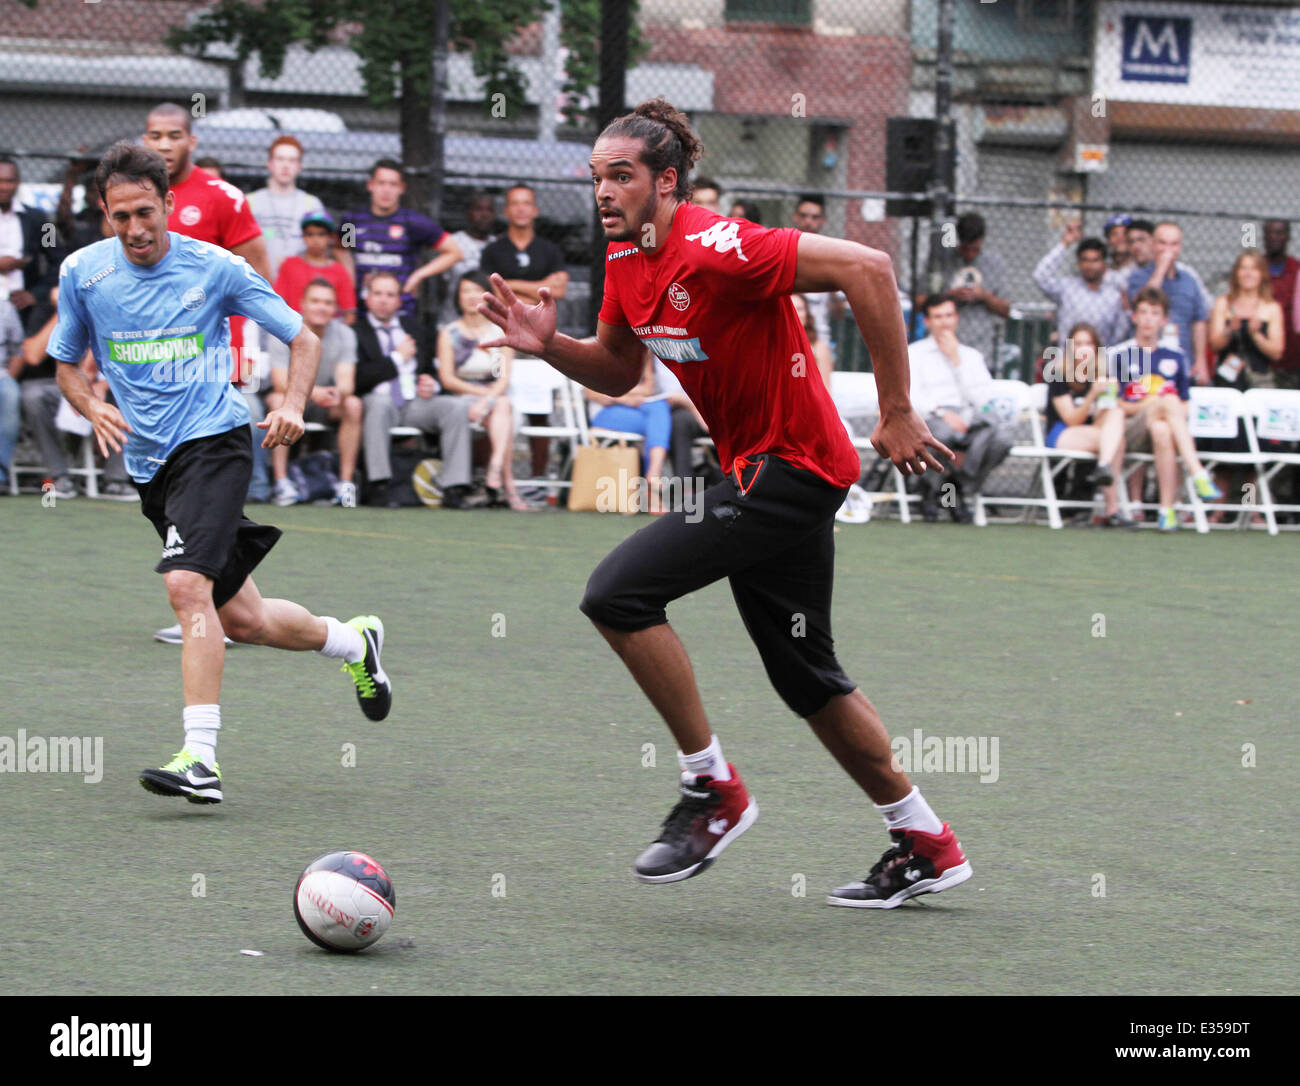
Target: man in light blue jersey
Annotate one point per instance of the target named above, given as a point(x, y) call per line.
point(152, 305)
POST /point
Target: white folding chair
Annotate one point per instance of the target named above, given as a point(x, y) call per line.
point(1216, 413)
point(538, 388)
point(857, 400)
point(67, 421)
point(1274, 415)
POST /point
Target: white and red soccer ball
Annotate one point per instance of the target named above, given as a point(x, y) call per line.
point(344, 901)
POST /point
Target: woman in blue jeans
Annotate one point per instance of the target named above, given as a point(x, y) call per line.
point(640, 411)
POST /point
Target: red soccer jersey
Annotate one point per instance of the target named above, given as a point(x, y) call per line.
point(296, 273)
point(210, 209)
point(713, 303)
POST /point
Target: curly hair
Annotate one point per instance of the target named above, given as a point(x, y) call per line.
point(666, 137)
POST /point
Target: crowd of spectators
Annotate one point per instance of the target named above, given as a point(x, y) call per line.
point(1135, 327)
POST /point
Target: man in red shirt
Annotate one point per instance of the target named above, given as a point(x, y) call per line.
point(709, 296)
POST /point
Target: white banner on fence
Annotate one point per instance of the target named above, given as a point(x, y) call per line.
point(1198, 54)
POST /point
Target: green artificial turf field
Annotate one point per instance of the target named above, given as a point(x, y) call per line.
point(507, 796)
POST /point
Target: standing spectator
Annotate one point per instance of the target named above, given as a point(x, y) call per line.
point(28, 267)
point(11, 363)
point(395, 380)
point(810, 217)
point(317, 262)
point(1155, 384)
point(950, 386)
point(332, 398)
point(281, 207)
point(1083, 413)
point(87, 226)
point(706, 193)
point(974, 278)
point(1086, 297)
point(747, 210)
point(480, 217)
point(1284, 273)
point(1121, 259)
point(483, 377)
point(1183, 290)
point(527, 263)
point(388, 237)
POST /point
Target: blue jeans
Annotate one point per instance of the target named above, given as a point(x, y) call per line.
point(10, 398)
point(259, 487)
point(654, 420)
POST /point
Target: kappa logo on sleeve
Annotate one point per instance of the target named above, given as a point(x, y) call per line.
point(722, 236)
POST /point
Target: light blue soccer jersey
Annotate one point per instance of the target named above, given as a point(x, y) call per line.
point(160, 337)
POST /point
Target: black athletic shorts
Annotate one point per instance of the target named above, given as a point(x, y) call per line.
point(769, 529)
point(196, 504)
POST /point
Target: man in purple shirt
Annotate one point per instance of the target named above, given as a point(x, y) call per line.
point(388, 237)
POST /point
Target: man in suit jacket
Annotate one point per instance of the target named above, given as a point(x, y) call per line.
point(395, 379)
point(29, 255)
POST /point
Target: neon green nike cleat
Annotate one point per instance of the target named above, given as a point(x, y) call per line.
point(374, 691)
point(185, 776)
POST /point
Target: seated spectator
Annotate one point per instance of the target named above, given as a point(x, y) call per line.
point(688, 426)
point(317, 262)
point(395, 380)
point(1083, 413)
point(332, 399)
point(1248, 336)
point(1085, 298)
point(821, 351)
point(746, 209)
point(28, 267)
point(11, 362)
point(641, 411)
point(35, 372)
point(950, 386)
point(1155, 385)
point(482, 378)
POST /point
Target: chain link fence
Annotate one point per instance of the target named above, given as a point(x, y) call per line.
point(1060, 110)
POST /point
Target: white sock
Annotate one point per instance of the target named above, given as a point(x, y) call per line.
point(707, 762)
point(343, 642)
point(202, 722)
point(910, 813)
point(1202, 474)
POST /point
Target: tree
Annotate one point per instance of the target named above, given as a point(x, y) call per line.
point(394, 41)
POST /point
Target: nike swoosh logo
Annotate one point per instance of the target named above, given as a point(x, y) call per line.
point(189, 776)
point(911, 876)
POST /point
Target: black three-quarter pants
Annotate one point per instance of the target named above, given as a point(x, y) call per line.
point(768, 528)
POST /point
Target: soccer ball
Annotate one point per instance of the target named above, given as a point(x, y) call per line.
point(344, 901)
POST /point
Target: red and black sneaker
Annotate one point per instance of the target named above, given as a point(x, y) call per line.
point(710, 815)
point(919, 863)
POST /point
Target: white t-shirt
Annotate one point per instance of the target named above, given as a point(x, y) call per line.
point(280, 217)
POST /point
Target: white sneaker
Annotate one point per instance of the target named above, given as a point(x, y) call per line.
point(171, 635)
point(285, 492)
point(345, 494)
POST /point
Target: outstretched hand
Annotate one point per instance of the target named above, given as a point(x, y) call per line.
point(528, 329)
point(905, 440)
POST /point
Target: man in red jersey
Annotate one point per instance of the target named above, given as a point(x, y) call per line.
point(708, 295)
